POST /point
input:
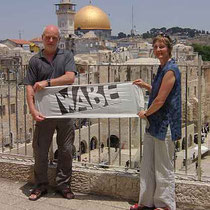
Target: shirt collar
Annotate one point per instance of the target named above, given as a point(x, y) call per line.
point(58, 52)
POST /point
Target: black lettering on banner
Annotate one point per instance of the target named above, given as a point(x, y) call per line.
point(84, 91)
point(61, 106)
point(97, 96)
point(113, 95)
point(82, 98)
point(75, 90)
point(67, 96)
point(64, 94)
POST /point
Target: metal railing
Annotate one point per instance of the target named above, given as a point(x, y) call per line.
point(122, 138)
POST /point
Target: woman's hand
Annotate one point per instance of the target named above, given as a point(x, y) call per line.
point(139, 82)
point(142, 115)
point(142, 84)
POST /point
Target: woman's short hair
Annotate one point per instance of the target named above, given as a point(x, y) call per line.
point(166, 40)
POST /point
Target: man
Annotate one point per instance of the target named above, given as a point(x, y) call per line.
point(51, 67)
point(102, 147)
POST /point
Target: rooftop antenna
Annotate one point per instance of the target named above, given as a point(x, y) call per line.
point(19, 33)
point(132, 31)
point(132, 16)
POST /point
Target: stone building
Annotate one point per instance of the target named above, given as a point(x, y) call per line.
point(13, 43)
point(84, 31)
point(103, 67)
point(112, 69)
point(36, 44)
point(16, 123)
point(89, 43)
point(206, 73)
point(65, 11)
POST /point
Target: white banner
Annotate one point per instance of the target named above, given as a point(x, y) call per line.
point(112, 100)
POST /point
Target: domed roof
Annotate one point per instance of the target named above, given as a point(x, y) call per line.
point(91, 17)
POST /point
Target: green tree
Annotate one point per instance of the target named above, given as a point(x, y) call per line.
point(121, 35)
point(202, 50)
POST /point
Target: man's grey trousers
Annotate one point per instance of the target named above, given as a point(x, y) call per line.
point(43, 136)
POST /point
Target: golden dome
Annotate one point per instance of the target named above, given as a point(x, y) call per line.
point(90, 18)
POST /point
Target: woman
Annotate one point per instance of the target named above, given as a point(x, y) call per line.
point(157, 181)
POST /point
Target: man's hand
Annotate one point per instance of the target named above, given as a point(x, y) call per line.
point(37, 116)
point(40, 85)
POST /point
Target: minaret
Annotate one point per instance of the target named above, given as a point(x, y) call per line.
point(65, 12)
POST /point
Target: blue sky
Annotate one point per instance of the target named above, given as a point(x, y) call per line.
point(28, 17)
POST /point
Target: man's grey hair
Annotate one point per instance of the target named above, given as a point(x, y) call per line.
point(59, 31)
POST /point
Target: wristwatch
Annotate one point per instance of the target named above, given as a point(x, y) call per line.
point(48, 83)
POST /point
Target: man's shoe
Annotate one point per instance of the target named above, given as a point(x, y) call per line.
point(67, 193)
point(36, 194)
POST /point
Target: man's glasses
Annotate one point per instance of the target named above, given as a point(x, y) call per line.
point(54, 38)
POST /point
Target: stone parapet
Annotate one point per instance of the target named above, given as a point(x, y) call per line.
point(112, 182)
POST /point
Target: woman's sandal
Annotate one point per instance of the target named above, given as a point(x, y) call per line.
point(139, 207)
point(36, 194)
point(67, 193)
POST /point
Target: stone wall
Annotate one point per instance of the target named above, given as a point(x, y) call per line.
point(119, 184)
point(207, 91)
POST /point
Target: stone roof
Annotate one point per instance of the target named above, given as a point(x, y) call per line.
point(89, 35)
point(144, 61)
point(37, 39)
point(19, 41)
point(4, 46)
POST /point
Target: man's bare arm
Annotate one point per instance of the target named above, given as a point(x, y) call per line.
point(66, 79)
point(37, 116)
